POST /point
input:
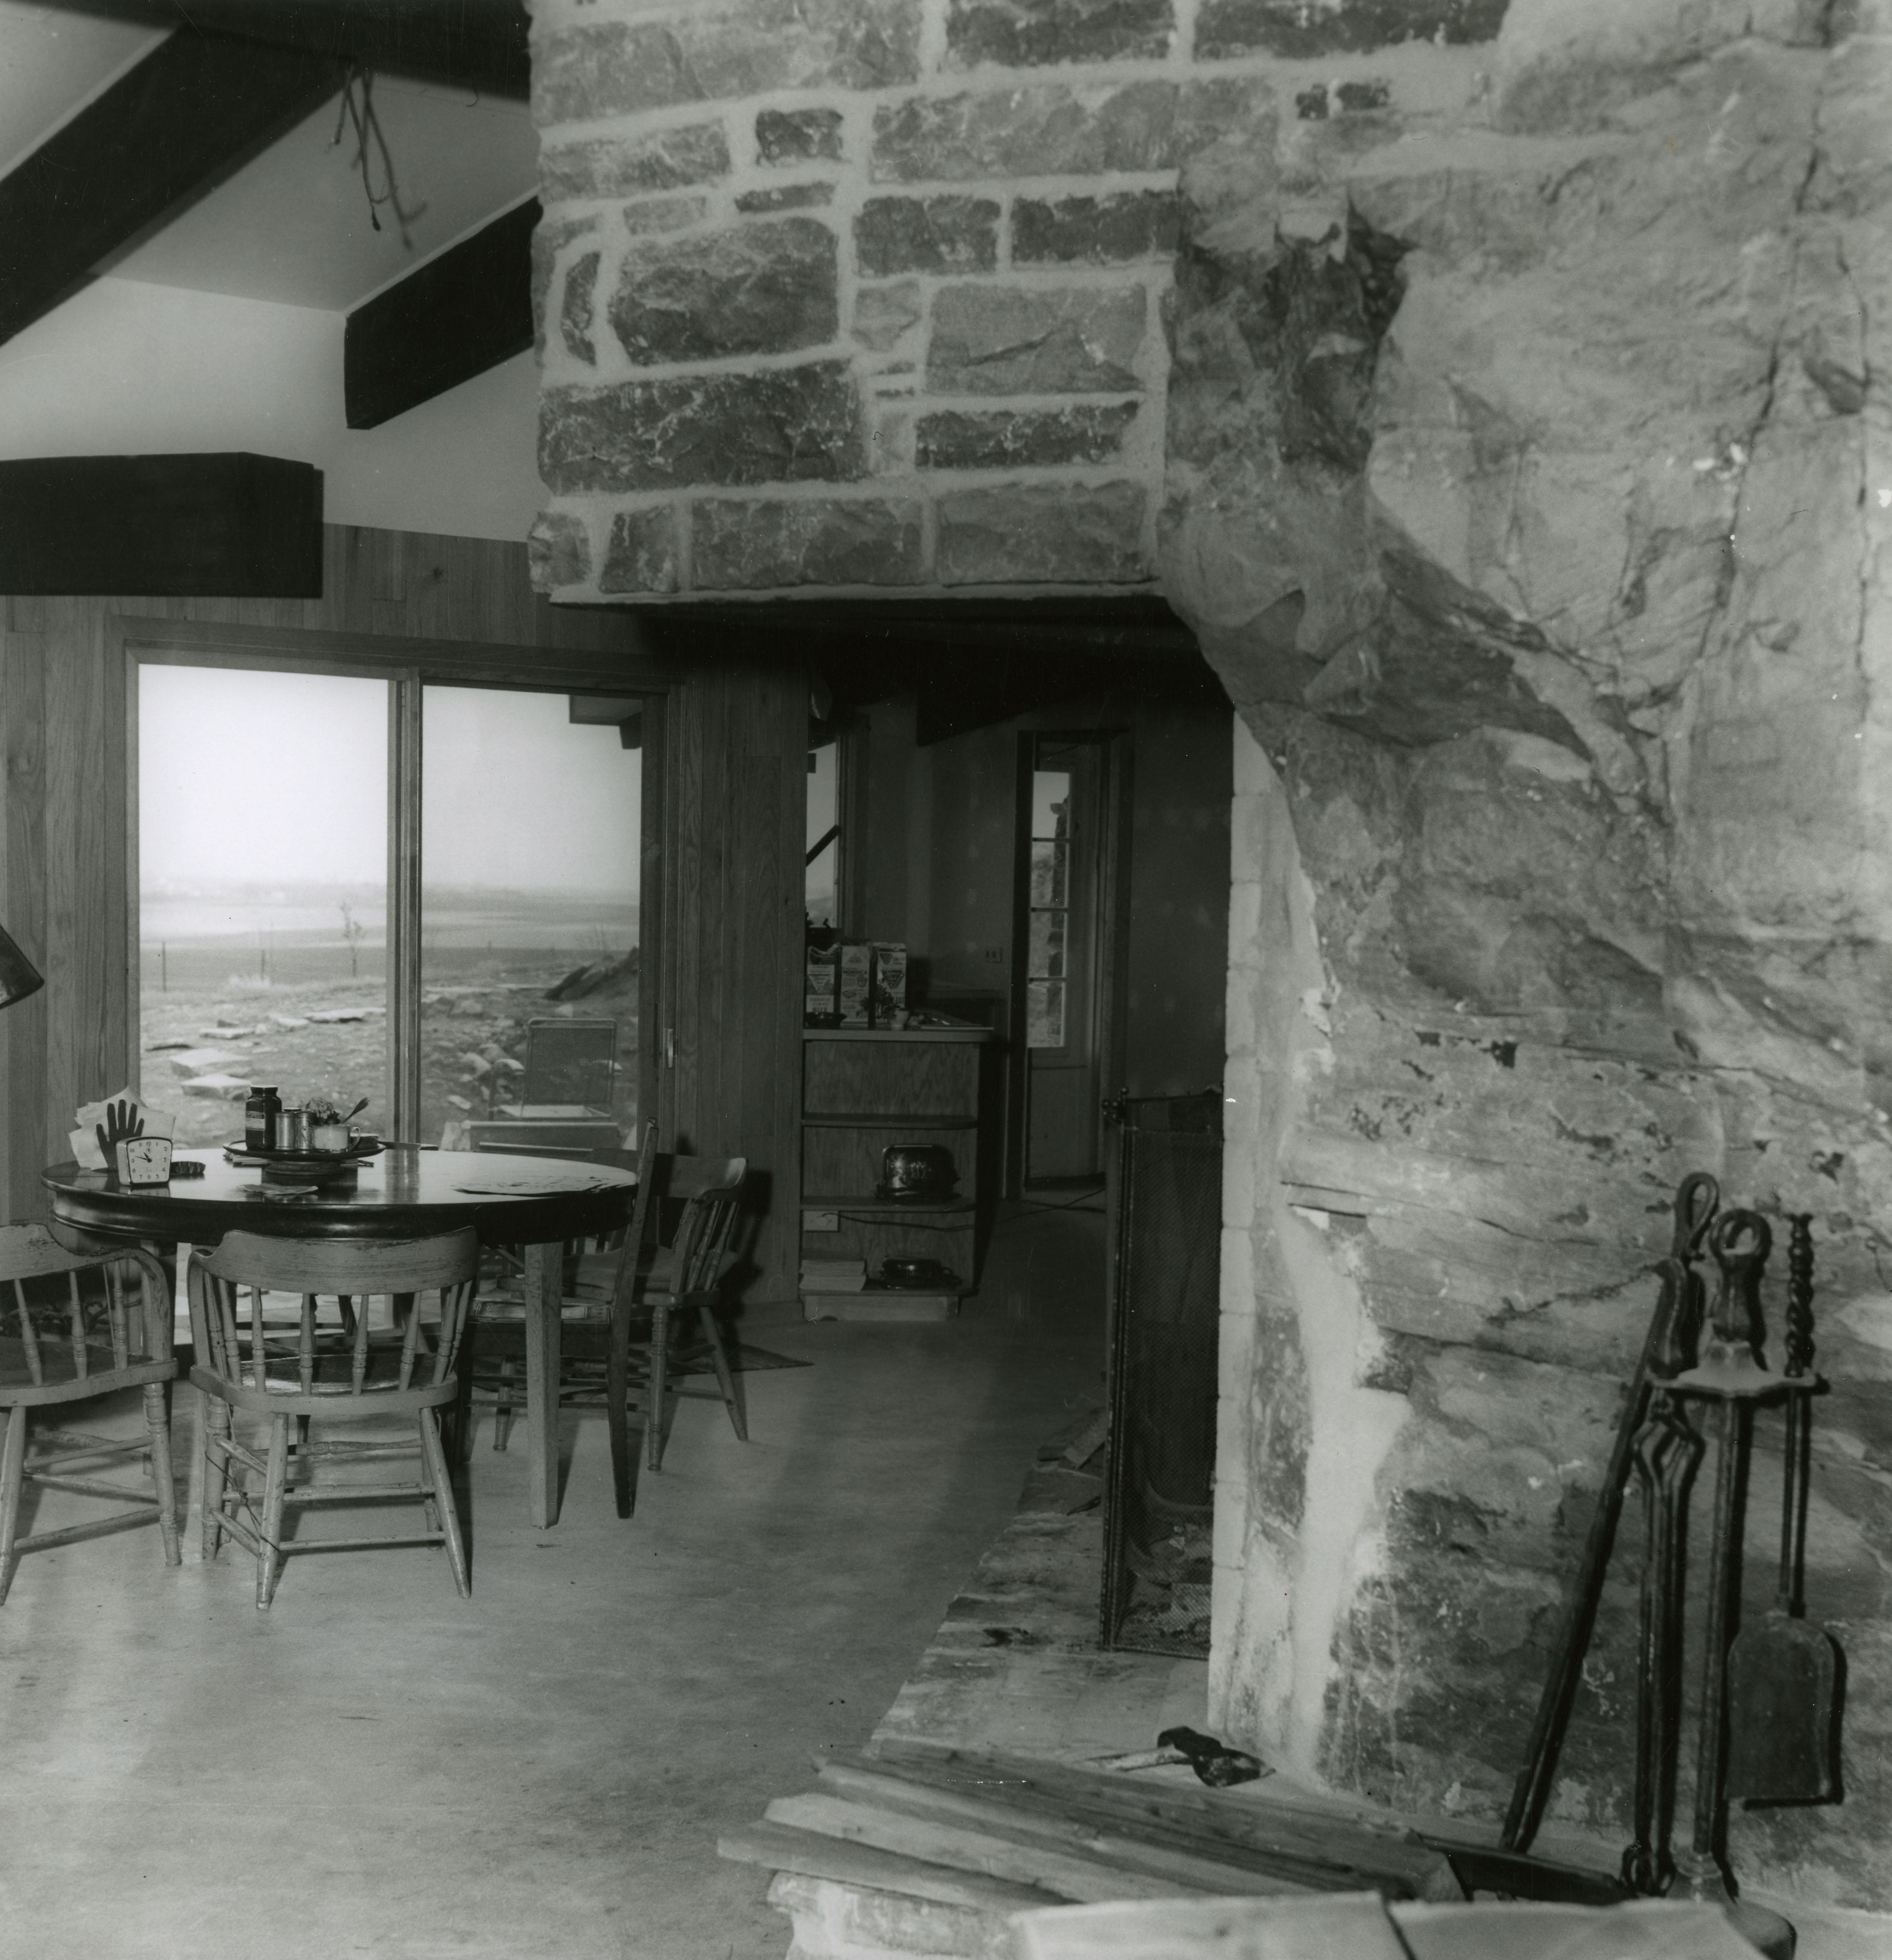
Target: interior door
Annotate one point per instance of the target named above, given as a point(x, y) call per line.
point(1060, 969)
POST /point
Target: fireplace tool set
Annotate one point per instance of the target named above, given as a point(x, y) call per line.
point(1765, 1727)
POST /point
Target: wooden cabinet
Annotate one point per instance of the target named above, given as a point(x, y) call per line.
point(864, 1090)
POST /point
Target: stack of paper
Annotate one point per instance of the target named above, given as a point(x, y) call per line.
point(834, 1275)
point(86, 1153)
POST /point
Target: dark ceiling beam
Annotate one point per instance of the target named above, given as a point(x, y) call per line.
point(476, 44)
point(453, 318)
point(191, 111)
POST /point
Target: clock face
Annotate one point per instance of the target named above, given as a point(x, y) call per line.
point(145, 1159)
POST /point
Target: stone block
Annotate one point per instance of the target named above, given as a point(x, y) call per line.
point(797, 136)
point(1048, 129)
point(574, 309)
point(753, 545)
point(761, 288)
point(1043, 533)
point(549, 238)
point(641, 555)
point(786, 197)
point(559, 550)
point(663, 214)
point(926, 235)
point(991, 339)
point(693, 53)
point(782, 425)
point(882, 313)
point(621, 166)
point(1094, 231)
point(1018, 34)
point(1297, 32)
point(1015, 438)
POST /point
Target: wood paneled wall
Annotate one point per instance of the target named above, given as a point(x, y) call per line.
point(734, 793)
point(737, 817)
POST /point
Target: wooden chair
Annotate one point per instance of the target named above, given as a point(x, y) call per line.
point(70, 1344)
point(686, 1276)
point(247, 1365)
point(495, 1335)
point(641, 1280)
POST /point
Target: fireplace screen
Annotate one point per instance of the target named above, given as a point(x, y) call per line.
point(1165, 1229)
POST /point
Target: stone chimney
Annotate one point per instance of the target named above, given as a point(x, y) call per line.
point(1499, 394)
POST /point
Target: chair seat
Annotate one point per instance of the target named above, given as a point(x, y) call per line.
point(62, 1379)
point(332, 1372)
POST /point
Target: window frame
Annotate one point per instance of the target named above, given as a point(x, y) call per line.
point(408, 665)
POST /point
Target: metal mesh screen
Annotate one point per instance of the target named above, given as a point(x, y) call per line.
point(1167, 1221)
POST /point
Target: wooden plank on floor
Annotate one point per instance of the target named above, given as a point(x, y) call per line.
point(1390, 1859)
point(778, 1847)
point(935, 1842)
point(1188, 1866)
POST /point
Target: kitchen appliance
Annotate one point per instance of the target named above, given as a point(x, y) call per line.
point(917, 1173)
point(928, 1274)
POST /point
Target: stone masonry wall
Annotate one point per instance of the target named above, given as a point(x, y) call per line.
point(1497, 389)
point(864, 296)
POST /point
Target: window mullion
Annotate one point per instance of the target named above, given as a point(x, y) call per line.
point(404, 903)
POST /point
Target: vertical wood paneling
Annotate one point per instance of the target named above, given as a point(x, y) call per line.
point(22, 1028)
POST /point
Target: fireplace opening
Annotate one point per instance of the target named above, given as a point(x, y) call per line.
point(1165, 1223)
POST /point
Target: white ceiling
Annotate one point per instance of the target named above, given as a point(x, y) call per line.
point(293, 225)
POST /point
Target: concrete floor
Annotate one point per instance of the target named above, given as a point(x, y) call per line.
point(377, 1768)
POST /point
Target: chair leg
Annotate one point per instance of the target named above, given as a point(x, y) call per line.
point(660, 1364)
point(158, 1426)
point(617, 1396)
point(216, 1472)
point(435, 1459)
point(12, 1478)
point(725, 1380)
point(502, 1405)
point(270, 1530)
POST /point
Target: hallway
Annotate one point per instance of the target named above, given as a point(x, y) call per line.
point(376, 1767)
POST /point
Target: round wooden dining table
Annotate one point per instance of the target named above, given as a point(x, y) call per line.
point(536, 1203)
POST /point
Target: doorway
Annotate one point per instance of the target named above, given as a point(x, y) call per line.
point(1072, 858)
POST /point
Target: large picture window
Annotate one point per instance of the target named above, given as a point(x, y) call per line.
point(281, 939)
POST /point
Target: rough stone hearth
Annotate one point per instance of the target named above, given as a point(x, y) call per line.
point(1497, 391)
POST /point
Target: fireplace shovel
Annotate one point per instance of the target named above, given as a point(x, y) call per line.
point(1781, 1670)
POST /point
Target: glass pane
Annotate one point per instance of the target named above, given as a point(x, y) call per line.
point(823, 809)
point(1048, 863)
point(1046, 951)
point(1044, 1014)
point(263, 901)
point(529, 866)
point(1050, 802)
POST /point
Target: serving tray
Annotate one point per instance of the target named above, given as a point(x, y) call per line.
point(303, 1164)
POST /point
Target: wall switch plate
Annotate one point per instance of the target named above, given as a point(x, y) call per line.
point(820, 1221)
point(994, 955)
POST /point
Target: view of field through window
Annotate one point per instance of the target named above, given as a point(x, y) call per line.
point(263, 932)
point(529, 857)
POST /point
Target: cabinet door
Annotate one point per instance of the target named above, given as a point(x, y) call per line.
point(898, 1079)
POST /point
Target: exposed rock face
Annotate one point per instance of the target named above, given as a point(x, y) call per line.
point(1537, 521)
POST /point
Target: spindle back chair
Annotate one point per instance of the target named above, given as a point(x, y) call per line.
point(69, 1331)
point(248, 1364)
point(685, 1276)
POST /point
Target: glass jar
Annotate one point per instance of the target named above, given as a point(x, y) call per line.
point(259, 1113)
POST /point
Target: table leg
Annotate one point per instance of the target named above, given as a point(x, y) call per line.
point(544, 1286)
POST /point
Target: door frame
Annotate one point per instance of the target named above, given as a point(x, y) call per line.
point(1111, 951)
